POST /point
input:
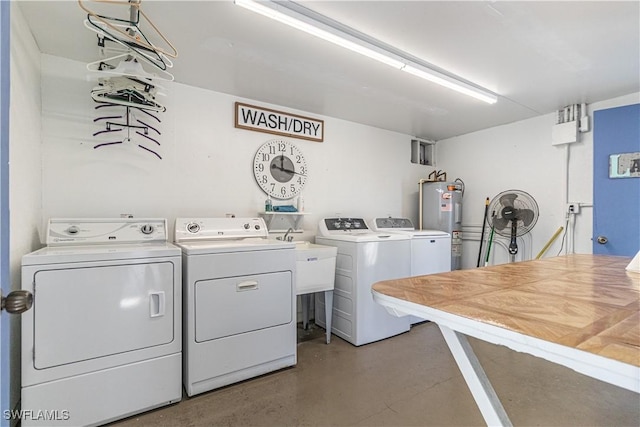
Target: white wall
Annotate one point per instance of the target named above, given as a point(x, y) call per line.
point(359, 170)
point(206, 168)
point(520, 156)
point(25, 167)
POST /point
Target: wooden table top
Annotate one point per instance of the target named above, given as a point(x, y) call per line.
point(588, 302)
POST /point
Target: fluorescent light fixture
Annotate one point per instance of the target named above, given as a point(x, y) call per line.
point(450, 82)
point(315, 28)
point(303, 19)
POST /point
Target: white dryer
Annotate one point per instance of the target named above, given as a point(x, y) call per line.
point(103, 340)
point(430, 249)
point(239, 301)
point(364, 258)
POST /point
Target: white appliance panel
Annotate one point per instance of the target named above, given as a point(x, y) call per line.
point(234, 334)
point(236, 305)
point(87, 313)
point(360, 264)
point(106, 395)
point(90, 253)
point(217, 363)
point(104, 337)
point(380, 261)
point(430, 255)
point(77, 231)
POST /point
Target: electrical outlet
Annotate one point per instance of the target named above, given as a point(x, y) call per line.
point(573, 208)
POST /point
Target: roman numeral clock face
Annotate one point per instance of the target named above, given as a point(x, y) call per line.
point(280, 169)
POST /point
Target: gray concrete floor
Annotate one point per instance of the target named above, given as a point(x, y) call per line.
point(408, 380)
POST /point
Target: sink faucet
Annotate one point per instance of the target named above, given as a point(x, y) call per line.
point(286, 236)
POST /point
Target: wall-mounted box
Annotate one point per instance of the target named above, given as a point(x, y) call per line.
point(423, 152)
point(564, 133)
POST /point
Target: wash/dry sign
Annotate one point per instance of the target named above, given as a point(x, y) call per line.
point(277, 122)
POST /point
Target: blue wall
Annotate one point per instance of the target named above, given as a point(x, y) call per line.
point(616, 200)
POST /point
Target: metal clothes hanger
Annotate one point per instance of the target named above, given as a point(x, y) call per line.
point(127, 67)
point(128, 91)
point(141, 129)
point(132, 25)
point(155, 58)
point(128, 100)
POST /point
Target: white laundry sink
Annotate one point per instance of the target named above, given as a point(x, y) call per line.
point(315, 267)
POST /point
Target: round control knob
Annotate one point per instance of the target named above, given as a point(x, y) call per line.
point(193, 227)
point(146, 229)
point(246, 226)
point(74, 229)
point(257, 226)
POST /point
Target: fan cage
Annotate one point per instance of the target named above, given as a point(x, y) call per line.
point(523, 202)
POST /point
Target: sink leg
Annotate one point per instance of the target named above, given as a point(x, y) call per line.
point(305, 311)
point(328, 311)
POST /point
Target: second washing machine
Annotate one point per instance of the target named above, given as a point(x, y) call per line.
point(430, 249)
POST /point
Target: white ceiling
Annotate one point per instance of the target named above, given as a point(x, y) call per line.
point(537, 56)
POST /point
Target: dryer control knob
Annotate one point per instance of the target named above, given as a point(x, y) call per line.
point(146, 229)
point(74, 229)
point(257, 226)
point(193, 227)
point(246, 226)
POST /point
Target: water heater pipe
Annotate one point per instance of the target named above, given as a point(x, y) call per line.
point(422, 181)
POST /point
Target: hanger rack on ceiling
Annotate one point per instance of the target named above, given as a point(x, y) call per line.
point(122, 48)
point(126, 84)
point(128, 31)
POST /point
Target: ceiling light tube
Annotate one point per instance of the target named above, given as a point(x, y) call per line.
point(451, 83)
point(284, 12)
point(301, 22)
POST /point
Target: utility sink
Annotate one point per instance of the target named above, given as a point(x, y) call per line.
point(315, 267)
point(316, 272)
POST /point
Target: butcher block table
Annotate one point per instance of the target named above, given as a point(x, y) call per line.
point(580, 311)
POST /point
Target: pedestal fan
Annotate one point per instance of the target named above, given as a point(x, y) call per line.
point(512, 213)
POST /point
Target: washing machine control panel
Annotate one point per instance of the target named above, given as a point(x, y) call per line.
point(79, 231)
point(345, 224)
point(391, 224)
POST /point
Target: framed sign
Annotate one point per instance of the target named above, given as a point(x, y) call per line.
point(625, 165)
point(266, 120)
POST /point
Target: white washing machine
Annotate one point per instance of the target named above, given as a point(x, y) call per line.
point(430, 249)
point(364, 258)
point(103, 340)
point(239, 301)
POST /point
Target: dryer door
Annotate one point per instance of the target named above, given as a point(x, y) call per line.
point(92, 312)
point(237, 305)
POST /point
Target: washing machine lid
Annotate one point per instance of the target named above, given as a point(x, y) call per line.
point(353, 230)
point(362, 238)
point(89, 253)
point(206, 247)
point(404, 226)
point(426, 234)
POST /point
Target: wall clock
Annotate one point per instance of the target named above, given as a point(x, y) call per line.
point(280, 169)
